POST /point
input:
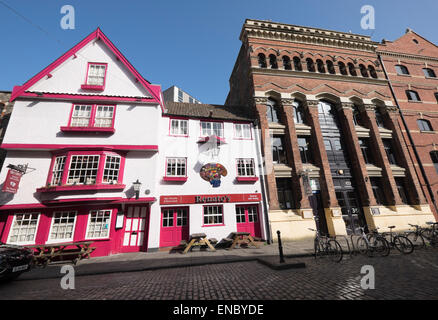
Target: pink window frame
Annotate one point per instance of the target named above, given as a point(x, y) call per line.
point(213, 225)
point(87, 86)
point(174, 178)
point(92, 120)
point(239, 138)
point(239, 178)
point(178, 135)
point(99, 177)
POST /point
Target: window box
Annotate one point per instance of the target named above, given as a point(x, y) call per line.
point(247, 179)
point(88, 129)
point(81, 187)
point(92, 87)
point(175, 179)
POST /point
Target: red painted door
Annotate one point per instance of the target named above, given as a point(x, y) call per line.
point(136, 229)
point(247, 218)
point(174, 226)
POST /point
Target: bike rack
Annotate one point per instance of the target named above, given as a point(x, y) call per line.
point(348, 243)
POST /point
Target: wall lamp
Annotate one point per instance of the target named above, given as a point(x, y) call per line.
point(137, 185)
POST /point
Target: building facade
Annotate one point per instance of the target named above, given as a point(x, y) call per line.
point(334, 152)
point(411, 64)
point(176, 94)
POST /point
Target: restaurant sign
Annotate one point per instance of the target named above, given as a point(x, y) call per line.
point(215, 198)
point(12, 181)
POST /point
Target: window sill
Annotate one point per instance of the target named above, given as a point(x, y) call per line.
point(206, 139)
point(88, 129)
point(213, 225)
point(92, 87)
point(175, 179)
point(82, 187)
point(247, 179)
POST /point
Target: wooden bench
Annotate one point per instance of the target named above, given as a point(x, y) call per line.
point(198, 239)
point(75, 251)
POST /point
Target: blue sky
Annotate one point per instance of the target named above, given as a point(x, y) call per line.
point(193, 43)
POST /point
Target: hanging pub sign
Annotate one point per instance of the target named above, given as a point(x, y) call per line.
point(212, 173)
point(12, 181)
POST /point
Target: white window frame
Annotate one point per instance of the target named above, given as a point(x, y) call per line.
point(103, 117)
point(89, 220)
point(90, 65)
point(81, 115)
point(83, 155)
point(58, 171)
point(50, 240)
point(211, 129)
point(176, 159)
point(27, 242)
point(214, 215)
point(179, 131)
point(244, 128)
point(105, 168)
point(245, 162)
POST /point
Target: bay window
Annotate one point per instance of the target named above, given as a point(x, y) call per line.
point(102, 169)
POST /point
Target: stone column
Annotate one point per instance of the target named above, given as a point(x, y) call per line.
point(411, 177)
point(267, 153)
point(335, 223)
point(390, 187)
point(300, 197)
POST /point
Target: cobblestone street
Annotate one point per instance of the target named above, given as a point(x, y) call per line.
point(397, 277)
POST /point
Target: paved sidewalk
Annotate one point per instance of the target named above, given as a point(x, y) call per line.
point(142, 261)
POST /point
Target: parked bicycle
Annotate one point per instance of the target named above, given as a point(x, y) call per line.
point(400, 242)
point(416, 236)
point(372, 244)
point(325, 246)
point(431, 234)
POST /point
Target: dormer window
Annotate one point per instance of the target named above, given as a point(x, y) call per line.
point(96, 74)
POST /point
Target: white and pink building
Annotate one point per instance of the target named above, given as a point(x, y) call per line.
point(88, 127)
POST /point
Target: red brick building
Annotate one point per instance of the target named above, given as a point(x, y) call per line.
point(411, 64)
point(335, 153)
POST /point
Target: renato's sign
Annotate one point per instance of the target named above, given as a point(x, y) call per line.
point(211, 198)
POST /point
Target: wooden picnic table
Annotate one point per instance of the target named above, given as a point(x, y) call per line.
point(198, 239)
point(242, 238)
point(46, 253)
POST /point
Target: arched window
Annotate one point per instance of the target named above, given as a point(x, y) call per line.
point(320, 65)
point(429, 73)
point(272, 111)
point(330, 67)
point(352, 69)
point(372, 72)
point(273, 61)
point(356, 115)
point(326, 114)
point(342, 68)
point(286, 63)
point(298, 112)
point(310, 65)
point(401, 70)
point(412, 95)
point(363, 71)
point(379, 119)
point(424, 125)
point(262, 60)
point(297, 64)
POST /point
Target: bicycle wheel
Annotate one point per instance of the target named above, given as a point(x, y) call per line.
point(362, 245)
point(403, 244)
point(416, 239)
point(379, 246)
point(317, 248)
point(334, 251)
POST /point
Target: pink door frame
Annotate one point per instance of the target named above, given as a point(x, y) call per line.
point(171, 236)
point(136, 228)
point(252, 227)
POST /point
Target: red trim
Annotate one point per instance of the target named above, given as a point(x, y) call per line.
point(180, 179)
point(205, 139)
point(86, 97)
point(92, 87)
point(210, 198)
point(82, 187)
point(154, 90)
point(47, 204)
point(247, 179)
point(88, 129)
point(78, 146)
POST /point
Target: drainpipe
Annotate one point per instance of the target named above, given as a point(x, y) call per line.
point(411, 140)
point(265, 204)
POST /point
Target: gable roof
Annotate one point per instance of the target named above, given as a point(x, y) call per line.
point(154, 90)
point(405, 44)
point(210, 111)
